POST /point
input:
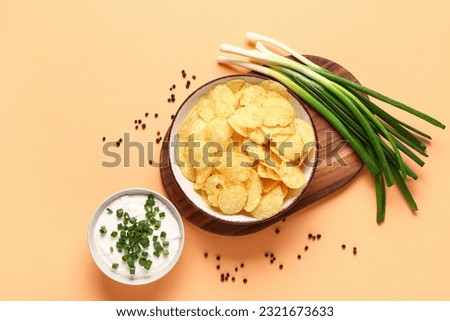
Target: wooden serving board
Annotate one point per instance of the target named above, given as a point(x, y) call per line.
point(338, 164)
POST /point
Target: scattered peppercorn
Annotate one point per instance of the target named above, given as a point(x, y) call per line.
point(314, 238)
point(299, 257)
point(319, 236)
point(172, 116)
point(146, 114)
point(218, 266)
point(117, 143)
point(235, 269)
point(144, 126)
point(136, 127)
point(343, 246)
point(120, 140)
point(306, 248)
point(150, 162)
point(104, 138)
point(233, 279)
point(139, 121)
point(218, 257)
point(135, 121)
point(158, 133)
point(183, 73)
point(242, 265)
point(188, 84)
point(277, 230)
point(205, 255)
point(266, 254)
point(245, 281)
point(156, 115)
point(169, 100)
point(355, 251)
point(281, 266)
point(193, 77)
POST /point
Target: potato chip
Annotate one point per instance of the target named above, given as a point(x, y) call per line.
point(218, 131)
point(232, 199)
point(257, 135)
point(291, 175)
point(205, 109)
point(251, 95)
point(223, 101)
point(185, 127)
point(284, 189)
point(235, 85)
point(213, 186)
point(268, 184)
point(270, 85)
point(270, 204)
point(254, 188)
point(277, 110)
point(239, 129)
point(272, 174)
point(201, 175)
point(235, 167)
point(261, 170)
point(182, 161)
point(291, 148)
point(249, 116)
point(255, 151)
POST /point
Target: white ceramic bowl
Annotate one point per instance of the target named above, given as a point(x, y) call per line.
point(132, 201)
point(187, 186)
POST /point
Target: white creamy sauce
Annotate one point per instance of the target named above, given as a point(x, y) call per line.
point(134, 205)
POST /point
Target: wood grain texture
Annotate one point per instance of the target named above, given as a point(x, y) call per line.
point(338, 164)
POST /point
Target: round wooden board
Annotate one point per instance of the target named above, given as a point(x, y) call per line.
point(338, 164)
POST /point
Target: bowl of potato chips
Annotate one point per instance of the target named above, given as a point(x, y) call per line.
point(243, 148)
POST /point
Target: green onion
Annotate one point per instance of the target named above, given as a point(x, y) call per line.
point(109, 211)
point(114, 233)
point(380, 139)
point(103, 230)
point(115, 266)
point(119, 213)
point(163, 234)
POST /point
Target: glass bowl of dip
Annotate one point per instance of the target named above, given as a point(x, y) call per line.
point(158, 223)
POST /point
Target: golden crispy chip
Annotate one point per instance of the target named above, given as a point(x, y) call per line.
point(235, 85)
point(232, 199)
point(268, 184)
point(272, 174)
point(205, 109)
point(238, 129)
point(218, 131)
point(185, 127)
point(254, 188)
point(251, 95)
point(222, 100)
point(261, 170)
point(201, 176)
point(249, 116)
point(257, 135)
point(279, 130)
point(213, 186)
point(277, 110)
point(235, 167)
point(291, 175)
point(291, 148)
point(255, 151)
point(284, 189)
point(303, 129)
point(183, 162)
point(271, 161)
point(270, 85)
point(270, 204)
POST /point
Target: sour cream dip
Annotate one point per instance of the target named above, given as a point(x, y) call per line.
point(103, 246)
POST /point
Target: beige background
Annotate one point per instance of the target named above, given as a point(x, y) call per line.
point(72, 72)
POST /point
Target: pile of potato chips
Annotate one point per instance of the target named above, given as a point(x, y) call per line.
point(242, 146)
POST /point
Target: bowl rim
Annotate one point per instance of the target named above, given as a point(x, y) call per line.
point(135, 191)
point(297, 198)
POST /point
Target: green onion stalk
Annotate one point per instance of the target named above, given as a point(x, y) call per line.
point(380, 139)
